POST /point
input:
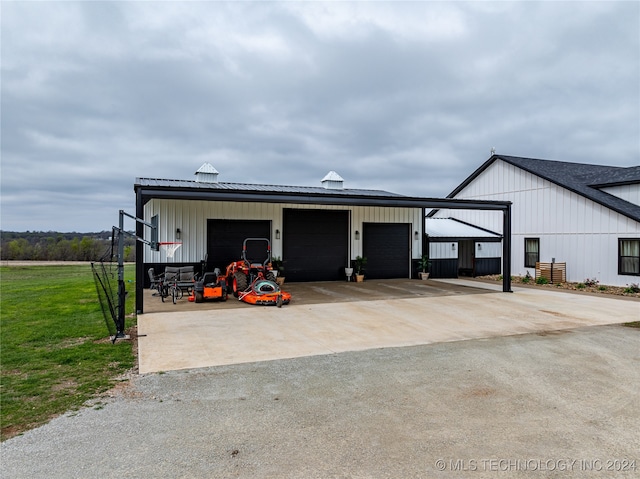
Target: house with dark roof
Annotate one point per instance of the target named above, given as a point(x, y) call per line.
point(317, 231)
point(587, 216)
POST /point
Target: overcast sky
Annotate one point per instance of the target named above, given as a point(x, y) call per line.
point(404, 97)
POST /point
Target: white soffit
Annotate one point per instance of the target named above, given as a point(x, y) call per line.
point(449, 228)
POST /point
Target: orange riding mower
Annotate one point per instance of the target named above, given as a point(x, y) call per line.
point(254, 282)
point(249, 281)
point(210, 286)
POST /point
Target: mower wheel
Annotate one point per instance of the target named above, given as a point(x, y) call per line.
point(240, 283)
point(199, 297)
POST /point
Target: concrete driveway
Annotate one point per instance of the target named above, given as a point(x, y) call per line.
point(543, 405)
point(327, 318)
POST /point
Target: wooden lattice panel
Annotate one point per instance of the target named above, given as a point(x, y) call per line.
point(554, 272)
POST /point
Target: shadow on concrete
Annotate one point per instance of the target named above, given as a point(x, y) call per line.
point(327, 292)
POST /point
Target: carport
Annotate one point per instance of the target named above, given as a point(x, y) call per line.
point(380, 236)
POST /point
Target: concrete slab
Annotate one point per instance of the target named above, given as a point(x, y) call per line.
point(187, 339)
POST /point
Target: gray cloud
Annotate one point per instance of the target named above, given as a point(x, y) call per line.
point(406, 97)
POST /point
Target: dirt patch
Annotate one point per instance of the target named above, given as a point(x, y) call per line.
point(123, 383)
point(69, 385)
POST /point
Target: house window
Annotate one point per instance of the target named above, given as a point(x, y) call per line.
point(531, 252)
point(629, 256)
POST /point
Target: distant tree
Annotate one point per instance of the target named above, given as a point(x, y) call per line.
point(50, 246)
point(17, 249)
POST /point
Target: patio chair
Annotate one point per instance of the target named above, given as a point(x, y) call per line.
point(154, 280)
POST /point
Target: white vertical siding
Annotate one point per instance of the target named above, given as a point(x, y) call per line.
point(191, 217)
point(370, 214)
point(630, 193)
point(447, 250)
point(571, 228)
point(488, 250)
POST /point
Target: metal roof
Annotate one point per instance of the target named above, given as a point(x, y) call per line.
point(452, 228)
point(249, 187)
point(148, 188)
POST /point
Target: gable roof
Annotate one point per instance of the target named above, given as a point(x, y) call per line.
point(583, 179)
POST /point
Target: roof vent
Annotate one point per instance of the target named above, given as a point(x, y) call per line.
point(207, 174)
point(333, 181)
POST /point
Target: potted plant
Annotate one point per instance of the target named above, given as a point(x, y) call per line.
point(278, 269)
point(359, 265)
point(424, 264)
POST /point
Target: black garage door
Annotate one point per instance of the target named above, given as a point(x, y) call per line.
point(225, 238)
point(386, 247)
point(315, 244)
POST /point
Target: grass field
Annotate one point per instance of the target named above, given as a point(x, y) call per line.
point(55, 349)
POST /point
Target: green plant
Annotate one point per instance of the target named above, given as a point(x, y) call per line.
point(591, 282)
point(54, 347)
point(632, 288)
point(360, 263)
point(424, 264)
point(527, 278)
point(602, 288)
point(542, 280)
point(276, 263)
point(580, 286)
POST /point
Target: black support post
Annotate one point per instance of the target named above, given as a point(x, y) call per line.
point(506, 250)
point(140, 273)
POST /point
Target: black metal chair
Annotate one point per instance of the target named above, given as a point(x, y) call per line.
point(154, 280)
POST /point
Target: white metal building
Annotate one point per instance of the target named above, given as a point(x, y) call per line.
point(316, 231)
point(585, 215)
point(316, 241)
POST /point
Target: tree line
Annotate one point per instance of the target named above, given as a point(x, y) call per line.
point(54, 246)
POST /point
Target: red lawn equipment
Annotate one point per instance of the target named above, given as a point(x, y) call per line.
point(210, 286)
point(253, 281)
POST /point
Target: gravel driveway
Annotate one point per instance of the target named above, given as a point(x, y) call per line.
point(552, 404)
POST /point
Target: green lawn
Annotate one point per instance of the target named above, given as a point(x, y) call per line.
point(55, 349)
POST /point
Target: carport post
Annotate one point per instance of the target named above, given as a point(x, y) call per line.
point(506, 250)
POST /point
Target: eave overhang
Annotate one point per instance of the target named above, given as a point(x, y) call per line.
point(148, 193)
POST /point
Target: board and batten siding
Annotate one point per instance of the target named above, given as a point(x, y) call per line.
point(445, 250)
point(630, 193)
point(442, 250)
point(571, 228)
point(488, 250)
point(191, 217)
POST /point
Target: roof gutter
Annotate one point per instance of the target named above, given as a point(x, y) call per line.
point(328, 199)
